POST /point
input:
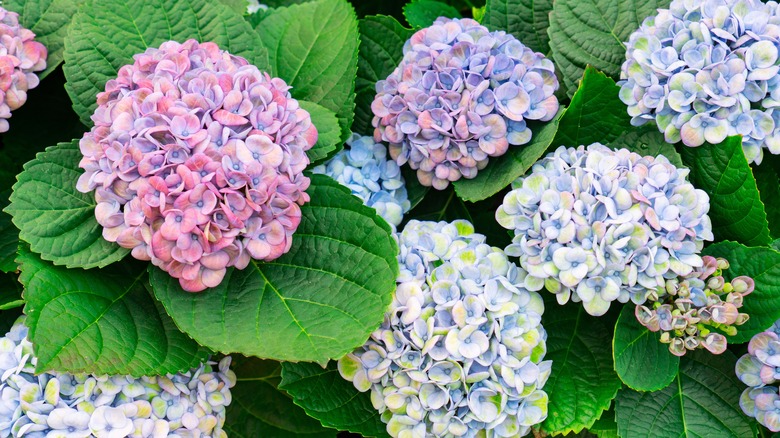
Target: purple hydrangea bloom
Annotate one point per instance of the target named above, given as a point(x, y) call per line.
point(706, 69)
point(460, 351)
point(599, 225)
point(188, 404)
point(20, 58)
point(461, 94)
point(197, 160)
point(760, 370)
point(365, 169)
point(688, 308)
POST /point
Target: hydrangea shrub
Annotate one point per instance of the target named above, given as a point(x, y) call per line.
point(196, 162)
point(260, 151)
point(461, 346)
point(461, 95)
point(189, 404)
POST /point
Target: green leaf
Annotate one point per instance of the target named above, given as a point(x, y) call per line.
point(702, 401)
point(768, 183)
point(260, 409)
point(381, 50)
point(502, 171)
point(592, 32)
point(328, 132)
point(313, 46)
point(238, 6)
point(595, 114)
point(319, 301)
point(10, 292)
point(526, 20)
point(422, 13)
point(100, 321)
point(9, 237)
point(735, 205)
point(605, 426)
point(49, 20)
point(326, 396)
point(105, 34)
point(414, 190)
point(763, 266)
point(440, 206)
point(583, 381)
point(646, 140)
point(642, 362)
point(57, 220)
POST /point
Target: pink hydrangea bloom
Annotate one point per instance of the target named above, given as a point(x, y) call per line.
point(196, 160)
point(20, 57)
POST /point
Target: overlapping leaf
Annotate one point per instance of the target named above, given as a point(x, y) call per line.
point(328, 132)
point(101, 321)
point(526, 20)
point(768, 183)
point(326, 396)
point(763, 266)
point(702, 401)
point(105, 34)
point(57, 220)
point(313, 46)
point(319, 301)
point(422, 13)
point(736, 209)
point(646, 140)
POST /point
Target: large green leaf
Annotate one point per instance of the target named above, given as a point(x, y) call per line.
point(527, 20)
point(49, 20)
point(9, 237)
point(641, 360)
point(381, 42)
point(422, 13)
point(502, 171)
point(105, 34)
point(101, 321)
point(702, 401)
point(768, 183)
point(763, 266)
point(319, 301)
point(592, 32)
point(440, 206)
point(646, 140)
point(313, 46)
point(328, 132)
point(736, 209)
point(57, 220)
point(326, 396)
point(583, 381)
point(595, 113)
point(260, 409)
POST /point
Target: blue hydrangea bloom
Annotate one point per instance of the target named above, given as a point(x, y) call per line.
point(599, 225)
point(760, 370)
point(707, 69)
point(363, 167)
point(461, 94)
point(49, 405)
point(460, 351)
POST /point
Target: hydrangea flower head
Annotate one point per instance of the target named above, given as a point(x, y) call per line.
point(760, 370)
point(707, 69)
point(190, 404)
point(461, 94)
point(365, 169)
point(196, 160)
point(460, 351)
point(599, 225)
point(20, 58)
point(688, 308)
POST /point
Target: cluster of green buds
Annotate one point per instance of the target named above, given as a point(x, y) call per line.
point(696, 310)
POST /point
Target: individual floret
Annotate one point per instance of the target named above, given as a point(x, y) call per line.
point(186, 405)
point(366, 171)
point(461, 94)
point(20, 58)
point(706, 69)
point(689, 307)
point(197, 160)
point(254, 6)
point(599, 225)
point(760, 370)
point(460, 351)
